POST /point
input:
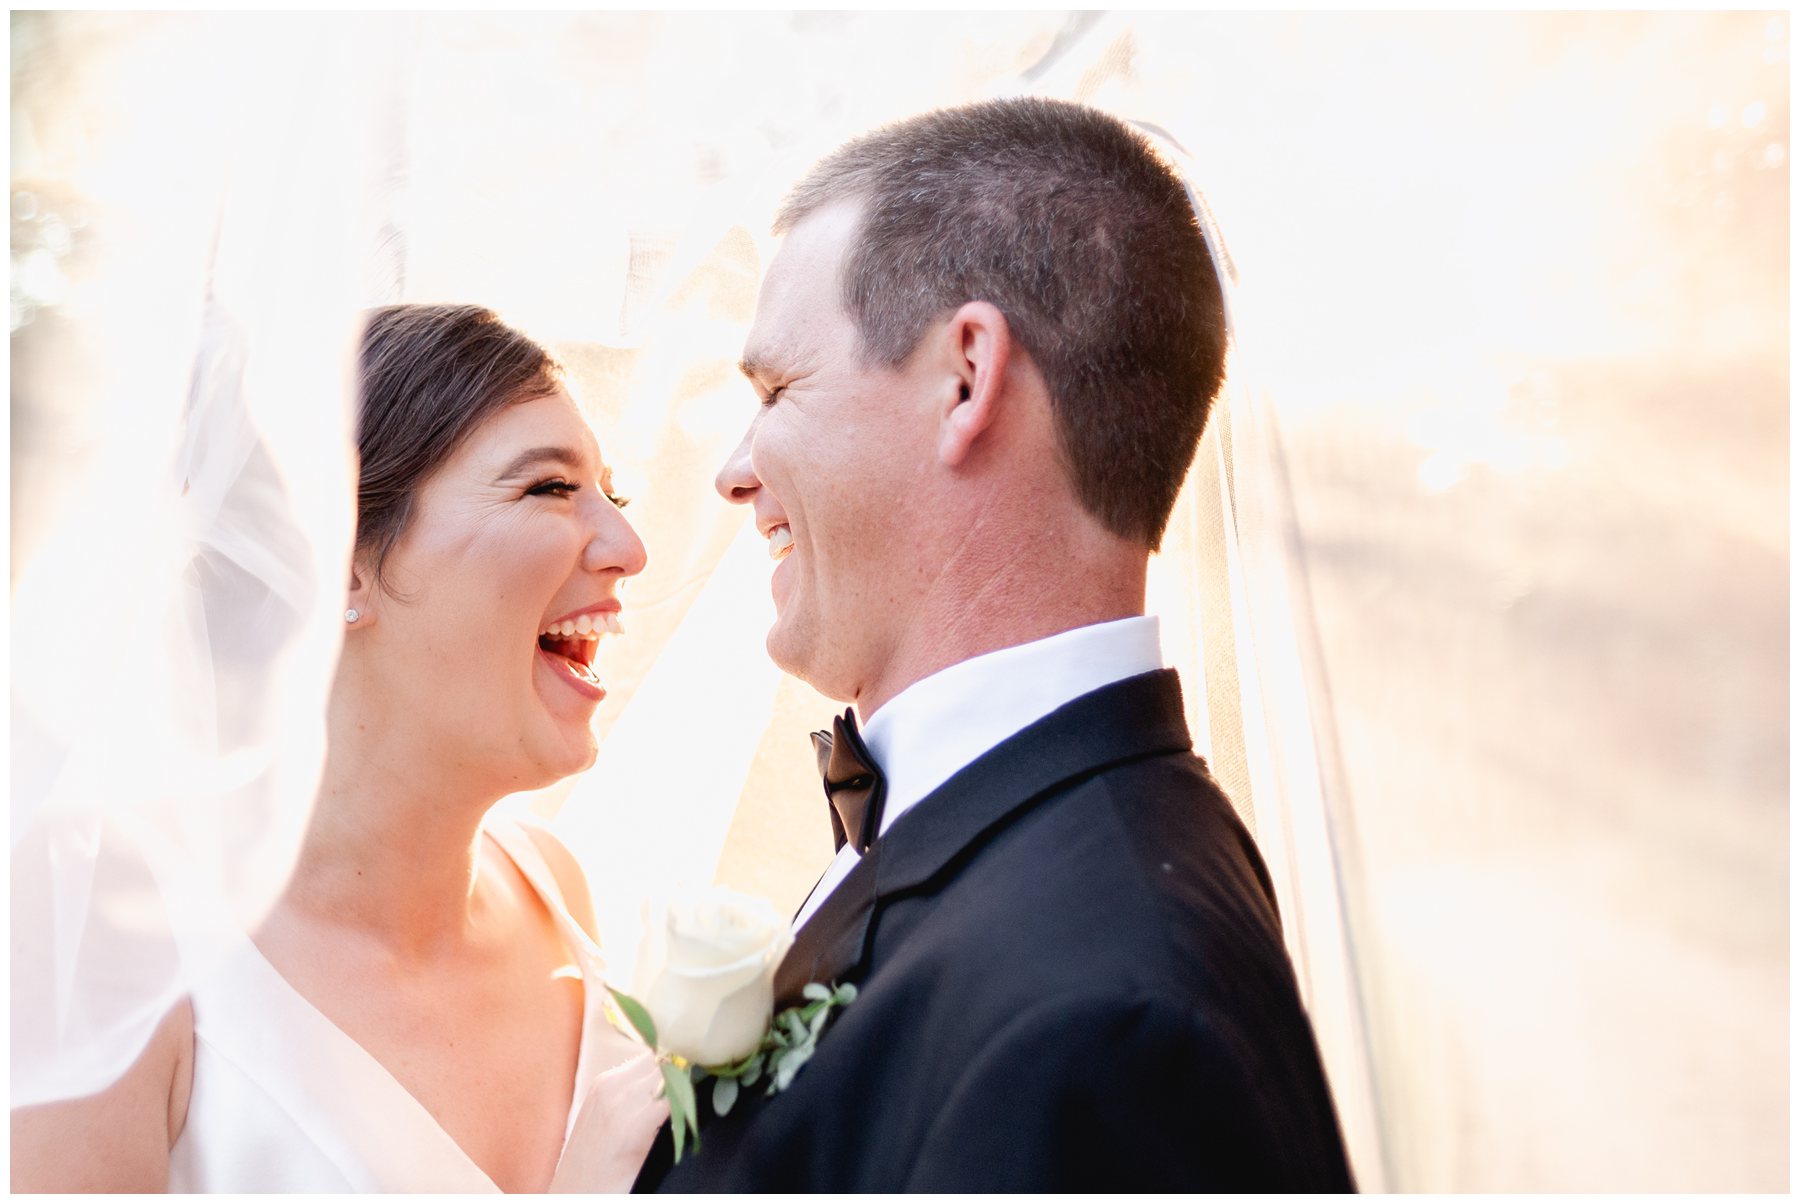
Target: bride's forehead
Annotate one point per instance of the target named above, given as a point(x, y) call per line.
point(550, 420)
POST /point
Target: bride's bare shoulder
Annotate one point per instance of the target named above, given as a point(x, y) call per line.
point(569, 877)
point(118, 1139)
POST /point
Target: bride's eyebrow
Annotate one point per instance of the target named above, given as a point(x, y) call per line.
point(533, 457)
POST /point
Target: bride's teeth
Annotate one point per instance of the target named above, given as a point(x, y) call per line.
point(780, 541)
point(590, 626)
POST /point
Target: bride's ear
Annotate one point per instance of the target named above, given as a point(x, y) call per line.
point(979, 345)
point(359, 597)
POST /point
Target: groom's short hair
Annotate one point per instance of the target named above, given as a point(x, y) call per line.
point(1072, 225)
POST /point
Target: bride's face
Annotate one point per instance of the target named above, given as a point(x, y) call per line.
point(495, 598)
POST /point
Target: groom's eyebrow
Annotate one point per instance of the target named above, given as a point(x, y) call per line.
point(532, 457)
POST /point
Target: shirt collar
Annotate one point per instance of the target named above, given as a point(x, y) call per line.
point(929, 731)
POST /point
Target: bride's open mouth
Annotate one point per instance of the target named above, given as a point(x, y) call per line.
point(569, 647)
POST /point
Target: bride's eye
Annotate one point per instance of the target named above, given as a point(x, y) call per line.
point(553, 489)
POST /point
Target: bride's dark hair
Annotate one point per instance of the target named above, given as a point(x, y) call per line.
point(429, 375)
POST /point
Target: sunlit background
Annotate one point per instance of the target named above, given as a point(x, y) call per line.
point(1507, 702)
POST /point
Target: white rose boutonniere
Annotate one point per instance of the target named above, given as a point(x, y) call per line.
point(704, 996)
point(706, 973)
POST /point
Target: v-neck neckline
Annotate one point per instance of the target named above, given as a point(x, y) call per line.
point(401, 1103)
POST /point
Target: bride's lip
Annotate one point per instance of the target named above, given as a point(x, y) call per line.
point(610, 606)
point(565, 672)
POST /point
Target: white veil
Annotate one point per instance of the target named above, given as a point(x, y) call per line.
point(177, 608)
point(165, 758)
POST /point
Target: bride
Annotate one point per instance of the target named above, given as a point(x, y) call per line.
point(422, 1008)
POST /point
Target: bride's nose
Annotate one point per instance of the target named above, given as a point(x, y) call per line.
point(737, 480)
point(614, 546)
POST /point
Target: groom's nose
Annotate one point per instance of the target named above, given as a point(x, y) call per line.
point(737, 480)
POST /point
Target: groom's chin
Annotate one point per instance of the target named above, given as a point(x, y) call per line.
point(780, 650)
point(797, 656)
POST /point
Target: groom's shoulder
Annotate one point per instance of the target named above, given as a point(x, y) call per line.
point(1156, 832)
point(1126, 916)
point(1140, 874)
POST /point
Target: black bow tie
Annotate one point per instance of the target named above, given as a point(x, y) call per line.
point(853, 783)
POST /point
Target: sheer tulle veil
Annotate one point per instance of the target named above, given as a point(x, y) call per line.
point(177, 609)
point(178, 605)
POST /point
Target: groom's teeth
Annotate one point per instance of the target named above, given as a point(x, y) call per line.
point(781, 542)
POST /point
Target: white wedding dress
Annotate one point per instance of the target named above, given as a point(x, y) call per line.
point(284, 1101)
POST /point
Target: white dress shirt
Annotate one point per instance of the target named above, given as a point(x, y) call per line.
point(940, 724)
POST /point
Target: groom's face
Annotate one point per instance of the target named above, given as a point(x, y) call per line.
point(833, 464)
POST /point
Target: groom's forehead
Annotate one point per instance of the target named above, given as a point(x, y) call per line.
point(810, 260)
point(800, 300)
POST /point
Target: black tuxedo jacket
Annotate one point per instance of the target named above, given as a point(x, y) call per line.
point(1071, 978)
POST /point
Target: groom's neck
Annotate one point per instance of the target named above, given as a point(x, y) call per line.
point(1010, 591)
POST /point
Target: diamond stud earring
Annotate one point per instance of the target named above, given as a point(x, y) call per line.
point(352, 615)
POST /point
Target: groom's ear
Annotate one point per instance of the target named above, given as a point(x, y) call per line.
point(979, 344)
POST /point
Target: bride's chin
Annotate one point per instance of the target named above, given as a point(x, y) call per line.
point(579, 753)
point(587, 762)
point(545, 771)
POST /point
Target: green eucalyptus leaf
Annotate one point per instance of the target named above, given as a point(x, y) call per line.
point(754, 1070)
point(847, 993)
point(684, 1116)
point(639, 1016)
point(818, 1026)
point(678, 1119)
point(790, 1066)
point(725, 1093)
point(813, 990)
point(795, 1028)
point(681, 1085)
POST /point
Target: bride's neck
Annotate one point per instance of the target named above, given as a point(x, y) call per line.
point(403, 877)
point(391, 853)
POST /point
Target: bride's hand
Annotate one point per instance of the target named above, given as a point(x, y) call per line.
point(617, 1123)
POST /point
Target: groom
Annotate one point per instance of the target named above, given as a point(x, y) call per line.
point(985, 353)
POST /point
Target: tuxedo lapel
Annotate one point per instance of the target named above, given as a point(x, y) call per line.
point(1138, 717)
point(1128, 720)
point(830, 944)
point(1125, 720)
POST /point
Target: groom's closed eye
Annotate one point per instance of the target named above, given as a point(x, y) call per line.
point(758, 371)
